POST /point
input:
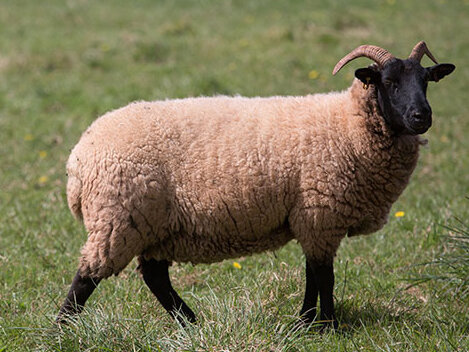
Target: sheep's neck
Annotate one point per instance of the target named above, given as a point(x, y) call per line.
point(380, 152)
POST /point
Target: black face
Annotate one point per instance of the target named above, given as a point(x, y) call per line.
point(402, 92)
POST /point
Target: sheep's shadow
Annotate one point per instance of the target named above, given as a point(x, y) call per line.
point(353, 318)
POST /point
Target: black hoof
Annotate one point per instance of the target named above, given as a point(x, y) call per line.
point(315, 324)
point(326, 325)
point(185, 319)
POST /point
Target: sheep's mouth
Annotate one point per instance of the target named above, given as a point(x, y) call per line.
point(420, 127)
point(415, 130)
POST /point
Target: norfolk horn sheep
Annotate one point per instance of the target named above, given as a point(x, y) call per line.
point(204, 179)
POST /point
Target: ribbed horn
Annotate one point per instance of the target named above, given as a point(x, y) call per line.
point(419, 50)
point(379, 55)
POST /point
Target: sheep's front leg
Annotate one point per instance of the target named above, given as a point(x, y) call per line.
point(80, 291)
point(309, 310)
point(156, 276)
point(324, 275)
point(319, 279)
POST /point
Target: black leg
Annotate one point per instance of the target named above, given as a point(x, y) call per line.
point(319, 280)
point(80, 291)
point(324, 277)
point(309, 310)
point(156, 276)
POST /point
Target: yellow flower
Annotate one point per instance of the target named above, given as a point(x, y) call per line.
point(105, 48)
point(42, 154)
point(243, 42)
point(237, 265)
point(42, 180)
point(313, 74)
point(28, 137)
point(444, 139)
point(399, 214)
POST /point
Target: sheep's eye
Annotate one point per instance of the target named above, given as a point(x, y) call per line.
point(392, 85)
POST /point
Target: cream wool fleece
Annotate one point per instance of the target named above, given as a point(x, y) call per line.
point(204, 179)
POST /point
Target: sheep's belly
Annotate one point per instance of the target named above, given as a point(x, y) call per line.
point(196, 248)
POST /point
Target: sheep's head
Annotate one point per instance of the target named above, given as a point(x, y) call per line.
point(401, 85)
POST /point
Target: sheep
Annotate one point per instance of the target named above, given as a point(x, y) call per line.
point(204, 179)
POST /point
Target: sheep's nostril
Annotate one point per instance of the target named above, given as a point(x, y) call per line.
point(417, 117)
point(420, 121)
point(420, 118)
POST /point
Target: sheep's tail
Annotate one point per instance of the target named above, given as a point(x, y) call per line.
point(74, 189)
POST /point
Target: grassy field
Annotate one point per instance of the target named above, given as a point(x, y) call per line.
point(63, 63)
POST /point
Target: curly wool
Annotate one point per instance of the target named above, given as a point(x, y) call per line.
point(204, 179)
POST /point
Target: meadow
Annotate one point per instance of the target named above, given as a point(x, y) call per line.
point(64, 63)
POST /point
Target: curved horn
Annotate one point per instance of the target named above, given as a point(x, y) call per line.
point(379, 55)
point(419, 50)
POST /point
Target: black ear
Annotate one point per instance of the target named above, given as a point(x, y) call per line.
point(368, 75)
point(437, 72)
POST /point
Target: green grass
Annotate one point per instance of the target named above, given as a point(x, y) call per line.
point(62, 64)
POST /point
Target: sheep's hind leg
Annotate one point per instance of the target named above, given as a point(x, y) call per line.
point(80, 291)
point(156, 276)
